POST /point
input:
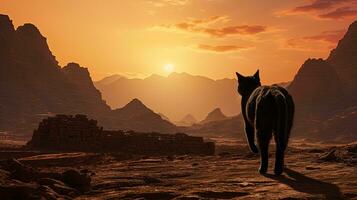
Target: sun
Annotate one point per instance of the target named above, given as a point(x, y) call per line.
point(169, 68)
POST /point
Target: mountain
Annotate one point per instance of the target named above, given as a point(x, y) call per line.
point(187, 120)
point(343, 58)
point(175, 95)
point(33, 85)
point(324, 92)
point(214, 115)
point(316, 82)
point(136, 116)
point(109, 79)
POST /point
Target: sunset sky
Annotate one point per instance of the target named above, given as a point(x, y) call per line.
point(213, 38)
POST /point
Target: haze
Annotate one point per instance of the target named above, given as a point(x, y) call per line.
point(201, 37)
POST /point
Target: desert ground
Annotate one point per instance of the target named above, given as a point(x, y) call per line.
point(313, 171)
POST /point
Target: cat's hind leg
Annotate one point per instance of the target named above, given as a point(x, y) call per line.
point(263, 138)
point(279, 160)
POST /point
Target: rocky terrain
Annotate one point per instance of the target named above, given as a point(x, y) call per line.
point(313, 171)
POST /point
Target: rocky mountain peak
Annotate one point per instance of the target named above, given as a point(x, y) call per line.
point(6, 24)
point(316, 82)
point(352, 29)
point(32, 47)
point(76, 69)
point(344, 59)
point(135, 104)
point(346, 46)
point(6, 38)
point(80, 77)
point(189, 117)
point(30, 30)
point(188, 120)
point(215, 115)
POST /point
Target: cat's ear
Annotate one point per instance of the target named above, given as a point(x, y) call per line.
point(239, 76)
point(256, 75)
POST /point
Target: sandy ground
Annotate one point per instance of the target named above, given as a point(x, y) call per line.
point(231, 174)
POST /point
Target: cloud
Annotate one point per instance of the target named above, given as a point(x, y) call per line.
point(161, 3)
point(325, 9)
point(318, 5)
point(194, 23)
point(234, 30)
point(220, 48)
point(203, 26)
point(327, 36)
point(340, 13)
point(326, 39)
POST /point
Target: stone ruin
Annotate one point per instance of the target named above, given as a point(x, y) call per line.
point(78, 133)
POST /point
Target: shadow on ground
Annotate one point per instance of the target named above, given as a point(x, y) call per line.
point(302, 183)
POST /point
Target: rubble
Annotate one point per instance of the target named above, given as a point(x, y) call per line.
point(20, 181)
point(345, 154)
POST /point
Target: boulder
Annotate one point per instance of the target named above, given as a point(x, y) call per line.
point(77, 180)
point(20, 190)
point(19, 171)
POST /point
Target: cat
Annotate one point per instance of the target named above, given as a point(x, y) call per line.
point(267, 111)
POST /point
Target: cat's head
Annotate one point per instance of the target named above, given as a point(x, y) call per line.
point(247, 84)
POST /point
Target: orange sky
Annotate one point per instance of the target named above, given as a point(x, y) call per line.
point(213, 38)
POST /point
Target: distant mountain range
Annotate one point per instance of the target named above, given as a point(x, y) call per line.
point(175, 96)
point(33, 86)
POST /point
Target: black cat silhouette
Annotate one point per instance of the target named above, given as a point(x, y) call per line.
point(266, 110)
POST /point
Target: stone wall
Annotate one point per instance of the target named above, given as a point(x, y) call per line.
point(67, 133)
point(78, 133)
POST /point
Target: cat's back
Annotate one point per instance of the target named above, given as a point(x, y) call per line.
point(268, 92)
point(268, 97)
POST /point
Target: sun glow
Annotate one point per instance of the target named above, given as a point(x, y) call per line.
point(169, 68)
